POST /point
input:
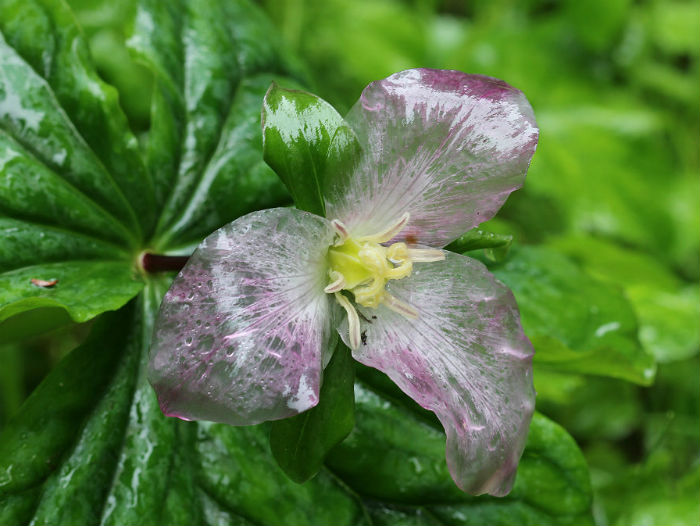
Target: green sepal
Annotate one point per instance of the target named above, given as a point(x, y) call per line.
point(304, 140)
point(495, 245)
point(299, 444)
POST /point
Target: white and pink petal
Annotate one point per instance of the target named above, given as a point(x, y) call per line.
point(465, 358)
point(444, 146)
point(241, 333)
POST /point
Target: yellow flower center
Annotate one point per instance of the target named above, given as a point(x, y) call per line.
point(366, 267)
point(363, 266)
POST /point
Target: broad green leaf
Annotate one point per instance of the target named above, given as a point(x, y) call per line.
point(299, 444)
point(304, 138)
point(67, 116)
point(212, 62)
point(33, 445)
point(91, 446)
point(92, 274)
point(79, 290)
point(575, 322)
point(75, 197)
point(668, 309)
point(236, 180)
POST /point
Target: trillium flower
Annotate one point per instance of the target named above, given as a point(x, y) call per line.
point(245, 330)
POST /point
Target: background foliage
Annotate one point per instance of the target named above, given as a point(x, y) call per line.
point(604, 262)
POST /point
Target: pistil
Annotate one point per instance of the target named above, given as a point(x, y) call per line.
point(364, 265)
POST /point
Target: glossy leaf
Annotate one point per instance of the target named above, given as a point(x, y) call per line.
point(299, 444)
point(668, 309)
point(67, 115)
point(212, 61)
point(79, 291)
point(105, 454)
point(75, 198)
point(576, 323)
point(77, 205)
point(304, 138)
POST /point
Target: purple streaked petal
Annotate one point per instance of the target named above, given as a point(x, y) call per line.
point(466, 359)
point(241, 332)
point(445, 146)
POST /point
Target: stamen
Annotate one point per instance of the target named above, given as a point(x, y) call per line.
point(337, 285)
point(341, 230)
point(365, 265)
point(397, 253)
point(374, 259)
point(400, 272)
point(426, 255)
point(353, 320)
point(370, 295)
point(388, 233)
point(399, 306)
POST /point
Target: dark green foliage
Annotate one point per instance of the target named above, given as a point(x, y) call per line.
point(92, 175)
point(94, 448)
point(301, 443)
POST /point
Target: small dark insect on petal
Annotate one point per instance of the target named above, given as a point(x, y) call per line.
point(47, 284)
point(363, 337)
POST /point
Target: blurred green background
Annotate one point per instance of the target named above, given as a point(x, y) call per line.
point(613, 186)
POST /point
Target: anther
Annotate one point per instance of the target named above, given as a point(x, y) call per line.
point(353, 320)
point(341, 230)
point(337, 284)
point(399, 306)
point(426, 255)
point(388, 233)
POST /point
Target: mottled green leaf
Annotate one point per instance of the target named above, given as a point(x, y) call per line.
point(576, 323)
point(211, 60)
point(75, 198)
point(34, 444)
point(82, 290)
point(76, 276)
point(105, 454)
point(57, 107)
point(299, 444)
point(304, 139)
point(236, 180)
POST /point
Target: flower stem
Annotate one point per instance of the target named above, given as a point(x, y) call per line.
point(161, 263)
